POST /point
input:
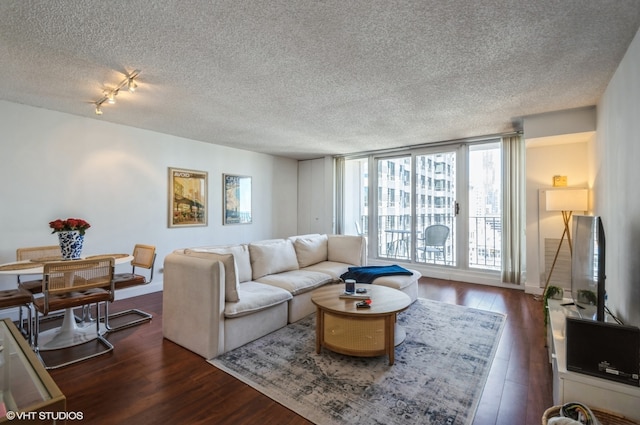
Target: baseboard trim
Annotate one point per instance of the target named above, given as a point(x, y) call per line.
point(135, 291)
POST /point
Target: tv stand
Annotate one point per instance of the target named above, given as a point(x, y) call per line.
point(572, 386)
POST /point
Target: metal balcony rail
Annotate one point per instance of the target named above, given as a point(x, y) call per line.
point(395, 240)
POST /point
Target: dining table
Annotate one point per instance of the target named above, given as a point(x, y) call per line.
point(70, 332)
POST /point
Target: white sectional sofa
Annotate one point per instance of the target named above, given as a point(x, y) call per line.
point(221, 297)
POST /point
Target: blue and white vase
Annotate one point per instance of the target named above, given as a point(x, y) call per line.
point(70, 244)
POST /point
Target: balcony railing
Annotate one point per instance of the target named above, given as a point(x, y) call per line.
point(485, 242)
point(395, 236)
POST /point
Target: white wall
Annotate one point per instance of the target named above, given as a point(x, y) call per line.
point(316, 196)
point(557, 145)
point(543, 162)
point(616, 175)
point(55, 165)
point(567, 122)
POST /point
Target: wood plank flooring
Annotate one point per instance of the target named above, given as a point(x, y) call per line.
point(149, 380)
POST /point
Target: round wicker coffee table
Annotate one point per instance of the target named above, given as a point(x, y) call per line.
point(362, 332)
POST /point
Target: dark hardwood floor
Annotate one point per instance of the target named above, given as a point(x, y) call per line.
point(149, 380)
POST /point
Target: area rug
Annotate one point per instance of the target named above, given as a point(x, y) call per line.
point(438, 376)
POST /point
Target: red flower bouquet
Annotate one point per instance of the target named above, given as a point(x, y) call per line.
point(69, 224)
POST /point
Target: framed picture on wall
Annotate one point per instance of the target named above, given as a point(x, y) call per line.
point(187, 198)
point(237, 199)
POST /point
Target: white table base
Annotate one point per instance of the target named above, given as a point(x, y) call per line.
point(68, 334)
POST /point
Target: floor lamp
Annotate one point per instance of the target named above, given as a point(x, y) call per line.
point(566, 201)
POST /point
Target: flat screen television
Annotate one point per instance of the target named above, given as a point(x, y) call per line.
point(588, 267)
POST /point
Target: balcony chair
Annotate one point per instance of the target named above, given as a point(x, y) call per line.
point(70, 284)
point(144, 256)
point(433, 240)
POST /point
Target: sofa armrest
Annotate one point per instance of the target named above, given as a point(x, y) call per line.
point(348, 249)
point(193, 304)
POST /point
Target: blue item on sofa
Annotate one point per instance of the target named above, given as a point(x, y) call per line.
point(367, 274)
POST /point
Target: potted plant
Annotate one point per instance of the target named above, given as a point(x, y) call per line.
point(554, 293)
point(69, 225)
point(70, 236)
point(588, 297)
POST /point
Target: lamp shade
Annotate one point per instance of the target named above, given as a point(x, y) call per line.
point(567, 200)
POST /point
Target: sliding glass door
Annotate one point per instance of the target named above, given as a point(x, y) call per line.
point(393, 212)
point(437, 207)
point(416, 208)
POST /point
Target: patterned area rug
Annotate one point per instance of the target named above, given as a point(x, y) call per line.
point(438, 376)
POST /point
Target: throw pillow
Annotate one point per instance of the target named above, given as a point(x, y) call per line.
point(230, 272)
point(311, 250)
point(346, 249)
point(274, 256)
point(241, 255)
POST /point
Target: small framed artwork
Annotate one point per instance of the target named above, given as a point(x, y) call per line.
point(187, 198)
point(237, 199)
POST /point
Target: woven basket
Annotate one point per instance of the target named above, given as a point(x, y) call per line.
point(605, 417)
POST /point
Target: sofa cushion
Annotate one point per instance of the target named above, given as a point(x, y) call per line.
point(332, 268)
point(241, 255)
point(346, 249)
point(398, 281)
point(310, 249)
point(230, 271)
point(273, 256)
point(308, 235)
point(296, 281)
point(254, 297)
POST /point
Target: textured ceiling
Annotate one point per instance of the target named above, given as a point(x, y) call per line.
point(308, 78)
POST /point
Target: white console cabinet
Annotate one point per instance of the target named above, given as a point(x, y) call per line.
point(571, 386)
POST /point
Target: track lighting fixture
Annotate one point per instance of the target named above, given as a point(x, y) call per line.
point(109, 96)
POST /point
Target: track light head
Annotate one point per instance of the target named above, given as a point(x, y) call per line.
point(109, 96)
point(131, 85)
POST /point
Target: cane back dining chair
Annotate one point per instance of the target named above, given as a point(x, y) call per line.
point(433, 240)
point(144, 257)
point(70, 284)
point(11, 298)
point(44, 253)
point(34, 286)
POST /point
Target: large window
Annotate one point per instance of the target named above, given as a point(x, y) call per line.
point(394, 213)
point(435, 216)
point(427, 211)
point(356, 196)
point(485, 206)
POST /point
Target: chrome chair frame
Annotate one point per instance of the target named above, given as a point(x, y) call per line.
point(12, 298)
point(144, 256)
point(47, 252)
point(71, 284)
